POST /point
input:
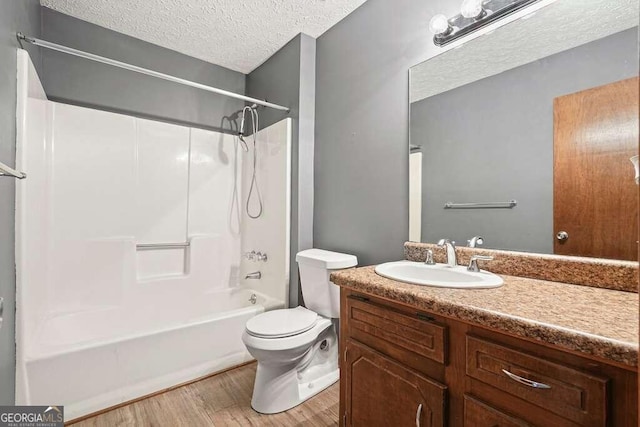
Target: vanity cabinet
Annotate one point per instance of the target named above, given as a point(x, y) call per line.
point(405, 367)
point(372, 381)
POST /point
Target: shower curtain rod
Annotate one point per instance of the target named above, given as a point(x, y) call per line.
point(130, 67)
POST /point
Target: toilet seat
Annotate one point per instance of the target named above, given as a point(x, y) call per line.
point(281, 323)
point(287, 343)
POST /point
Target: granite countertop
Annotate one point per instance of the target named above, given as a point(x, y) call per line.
point(599, 322)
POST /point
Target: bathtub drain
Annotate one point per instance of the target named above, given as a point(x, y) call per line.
point(253, 299)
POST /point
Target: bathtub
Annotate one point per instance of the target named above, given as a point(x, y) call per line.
point(92, 360)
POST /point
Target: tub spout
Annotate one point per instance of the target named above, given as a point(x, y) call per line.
point(255, 275)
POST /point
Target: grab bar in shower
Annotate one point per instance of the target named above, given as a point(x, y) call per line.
point(148, 246)
point(488, 205)
point(9, 171)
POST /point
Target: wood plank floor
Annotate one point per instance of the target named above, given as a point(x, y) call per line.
point(221, 400)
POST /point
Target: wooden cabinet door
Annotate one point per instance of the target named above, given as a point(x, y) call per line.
point(381, 392)
point(595, 197)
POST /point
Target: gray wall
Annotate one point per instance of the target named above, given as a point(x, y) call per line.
point(288, 78)
point(362, 114)
point(15, 15)
point(492, 140)
point(79, 81)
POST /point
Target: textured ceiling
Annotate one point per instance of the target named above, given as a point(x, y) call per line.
point(236, 34)
point(562, 25)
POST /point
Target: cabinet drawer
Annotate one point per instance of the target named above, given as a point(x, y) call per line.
point(574, 395)
point(479, 414)
point(418, 333)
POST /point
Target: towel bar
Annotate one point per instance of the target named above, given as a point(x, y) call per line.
point(488, 205)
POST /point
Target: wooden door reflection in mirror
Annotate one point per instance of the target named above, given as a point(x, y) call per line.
point(595, 199)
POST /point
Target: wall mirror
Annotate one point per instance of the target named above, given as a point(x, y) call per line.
point(525, 135)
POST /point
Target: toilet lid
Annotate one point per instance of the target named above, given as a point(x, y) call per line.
point(282, 323)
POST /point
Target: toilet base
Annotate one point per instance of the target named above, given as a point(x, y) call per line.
point(279, 388)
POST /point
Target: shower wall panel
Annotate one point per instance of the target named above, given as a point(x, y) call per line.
point(91, 156)
point(162, 196)
point(215, 201)
point(104, 182)
point(270, 233)
point(116, 181)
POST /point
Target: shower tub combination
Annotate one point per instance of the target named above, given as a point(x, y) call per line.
point(134, 282)
point(94, 360)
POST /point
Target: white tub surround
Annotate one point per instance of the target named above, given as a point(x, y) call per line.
point(129, 243)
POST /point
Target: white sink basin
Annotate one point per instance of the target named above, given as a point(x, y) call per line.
point(440, 275)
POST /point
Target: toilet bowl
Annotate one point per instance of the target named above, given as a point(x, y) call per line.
point(297, 348)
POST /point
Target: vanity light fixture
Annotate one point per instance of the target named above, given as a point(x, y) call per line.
point(474, 15)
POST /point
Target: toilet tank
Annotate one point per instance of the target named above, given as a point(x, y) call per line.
point(316, 265)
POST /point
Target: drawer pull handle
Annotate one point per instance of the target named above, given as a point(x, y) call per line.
point(525, 381)
point(418, 415)
point(359, 298)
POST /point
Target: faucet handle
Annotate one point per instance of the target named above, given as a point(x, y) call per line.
point(429, 260)
point(473, 262)
point(256, 256)
point(443, 242)
point(475, 241)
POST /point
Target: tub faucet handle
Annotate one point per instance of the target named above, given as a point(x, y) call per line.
point(256, 256)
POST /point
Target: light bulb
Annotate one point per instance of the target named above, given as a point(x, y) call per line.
point(471, 8)
point(439, 24)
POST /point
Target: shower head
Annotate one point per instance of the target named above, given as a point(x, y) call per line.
point(242, 125)
point(241, 133)
point(245, 147)
point(244, 112)
point(243, 143)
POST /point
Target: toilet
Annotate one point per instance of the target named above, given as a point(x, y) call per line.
point(297, 348)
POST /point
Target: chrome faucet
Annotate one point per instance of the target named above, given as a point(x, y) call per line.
point(475, 241)
point(255, 275)
point(450, 248)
